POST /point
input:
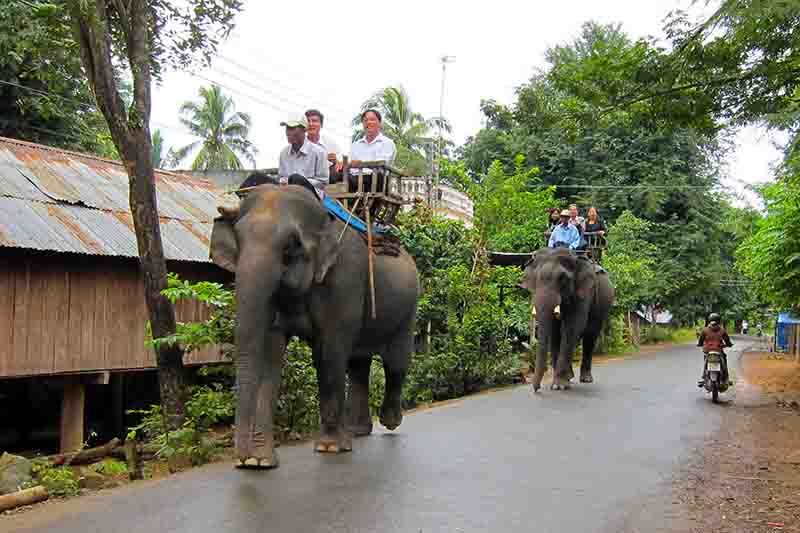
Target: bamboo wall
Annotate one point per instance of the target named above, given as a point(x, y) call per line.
point(64, 313)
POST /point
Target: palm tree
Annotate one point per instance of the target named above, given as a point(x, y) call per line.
point(159, 158)
point(223, 132)
point(410, 131)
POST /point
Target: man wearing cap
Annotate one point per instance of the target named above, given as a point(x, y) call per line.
point(302, 158)
point(564, 234)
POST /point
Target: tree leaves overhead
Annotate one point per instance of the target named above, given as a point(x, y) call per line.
point(44, 97)
point(658, 163)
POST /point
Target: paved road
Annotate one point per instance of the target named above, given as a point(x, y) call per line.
point(596, 458)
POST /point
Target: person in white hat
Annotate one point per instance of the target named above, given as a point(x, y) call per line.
point(564, 234)
point(302, 158)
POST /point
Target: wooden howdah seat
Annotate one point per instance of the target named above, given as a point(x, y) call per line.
point(376, 195)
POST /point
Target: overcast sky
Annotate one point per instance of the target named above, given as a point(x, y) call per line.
point(285, 57)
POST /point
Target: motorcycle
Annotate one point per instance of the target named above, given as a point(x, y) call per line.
point(712, 379)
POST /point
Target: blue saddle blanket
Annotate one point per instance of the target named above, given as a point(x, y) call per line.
point(336, 209)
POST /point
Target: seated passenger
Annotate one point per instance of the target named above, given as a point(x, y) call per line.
point(314, 134)
point(594, 231)
point(565, 234)
point(372, 146)
point(302, 162)
point(552, 220)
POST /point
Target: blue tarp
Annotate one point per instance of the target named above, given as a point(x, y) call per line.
point(336, 209)
point(782, 329)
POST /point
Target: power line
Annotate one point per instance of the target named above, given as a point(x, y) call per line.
point(261, 90)
point(91, 106)
point(282, 84)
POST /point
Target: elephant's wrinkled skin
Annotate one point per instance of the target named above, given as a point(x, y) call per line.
point(294, 277)
point(557, 277)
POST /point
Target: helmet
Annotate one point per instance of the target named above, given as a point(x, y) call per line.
point(714, 317)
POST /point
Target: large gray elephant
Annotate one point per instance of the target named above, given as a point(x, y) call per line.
point(557, 277)
point(294, 276)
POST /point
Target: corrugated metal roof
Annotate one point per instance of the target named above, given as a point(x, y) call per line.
point(62, 201)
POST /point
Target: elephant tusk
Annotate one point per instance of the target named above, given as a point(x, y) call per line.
point(557, 311)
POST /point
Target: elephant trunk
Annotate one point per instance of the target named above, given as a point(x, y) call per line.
point(545, 302)
point(260, 356)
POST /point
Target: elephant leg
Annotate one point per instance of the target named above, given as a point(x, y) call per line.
point(589, 340)
point(563, 372)
point(359, 420)
point(333, 437)
point(555, 344)
point(395, 366)
point(257, 448)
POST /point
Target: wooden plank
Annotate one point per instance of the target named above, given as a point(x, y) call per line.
point(59, 315)
point(21, 298)
point(6, 317)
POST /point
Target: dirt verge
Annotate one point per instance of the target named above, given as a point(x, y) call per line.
point(747, 476)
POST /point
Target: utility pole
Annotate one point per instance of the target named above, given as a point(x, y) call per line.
point(445, 60)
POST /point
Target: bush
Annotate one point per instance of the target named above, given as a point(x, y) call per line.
point(110, 467)
point(206, 407)
point(57, 481)
point(297, 411)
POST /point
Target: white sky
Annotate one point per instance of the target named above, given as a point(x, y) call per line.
point(285, 57)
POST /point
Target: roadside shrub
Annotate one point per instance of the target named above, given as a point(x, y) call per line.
point(57, 481)
point(297, 410)
point(110, 467)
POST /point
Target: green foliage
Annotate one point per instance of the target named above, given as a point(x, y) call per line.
point(43, 96)
point(206, 407)
point(297, 411)
point(218, 330)
point(223, 132)
point(59, 481)
point(509, 215)
point(771, 256)
point(631, 262)
point(110, 467)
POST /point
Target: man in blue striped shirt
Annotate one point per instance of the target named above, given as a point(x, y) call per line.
point(565, 234)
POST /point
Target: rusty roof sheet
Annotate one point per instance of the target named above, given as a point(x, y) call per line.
point(62, 201)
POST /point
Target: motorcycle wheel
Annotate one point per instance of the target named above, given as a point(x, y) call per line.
point(715, 392)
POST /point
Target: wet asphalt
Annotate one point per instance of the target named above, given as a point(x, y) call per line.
point(598, 457)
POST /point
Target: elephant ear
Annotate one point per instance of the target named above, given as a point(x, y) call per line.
point(224, 248)
point(327, 252)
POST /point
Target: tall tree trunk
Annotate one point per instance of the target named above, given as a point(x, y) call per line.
point(131, 134)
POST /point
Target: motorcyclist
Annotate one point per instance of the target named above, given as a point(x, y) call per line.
point(714, 338)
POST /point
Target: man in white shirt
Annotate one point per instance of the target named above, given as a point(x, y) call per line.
point(302, 158)
point(373, 145)
point(314, 134)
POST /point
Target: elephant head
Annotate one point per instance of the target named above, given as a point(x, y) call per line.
point(280, 242)
point(557, 278)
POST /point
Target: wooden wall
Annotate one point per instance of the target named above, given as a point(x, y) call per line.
point(65, 313)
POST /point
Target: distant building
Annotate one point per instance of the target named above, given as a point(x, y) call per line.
point(447, 201)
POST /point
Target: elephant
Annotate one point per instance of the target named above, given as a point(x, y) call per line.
point(301, 272)
point(583, 293)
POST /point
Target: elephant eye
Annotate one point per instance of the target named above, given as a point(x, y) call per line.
point(293, 250)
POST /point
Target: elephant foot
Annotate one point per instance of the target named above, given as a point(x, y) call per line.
point(586, 377)
point(261, 459)
point(391, 418)
point(360, 430)
point(326, 443)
